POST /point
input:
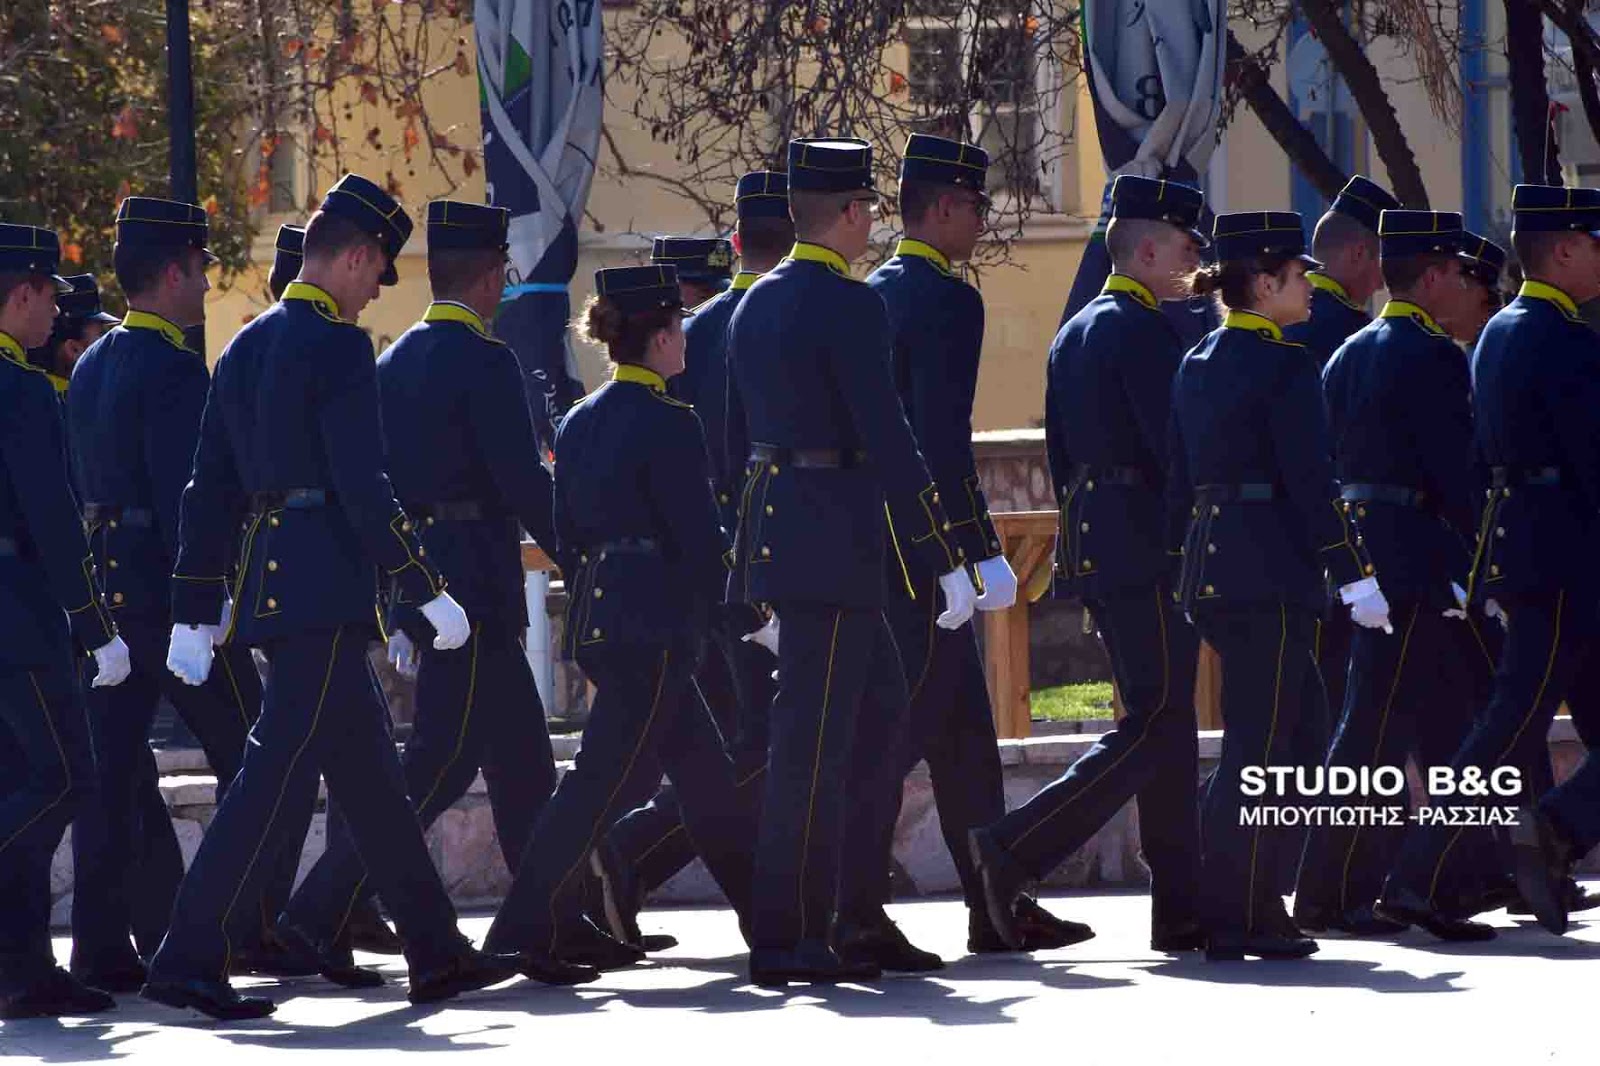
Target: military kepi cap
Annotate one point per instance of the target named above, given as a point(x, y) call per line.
point(695, 258)
point(829, 164)
point(1402, 233)
point(1363, 200)
point(639, 289)
point(763, 194)
point(941, 161)
point(1248, 234)
point(375, 212)
point(456, 224)
point(1134, 197)
point(1483, 258)
point(150, 222)
point(31, 250)
point(1554, 209)
point(288, 252)
point(82, 304)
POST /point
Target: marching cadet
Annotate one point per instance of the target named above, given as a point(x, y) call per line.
point(290, 437)
point(650, 844)
point(80, 320)
point(704, 265)
point(1252, 478)
point(1482, 261)
point(936, 322)
point(1399, 406)
point(48, 606)
point(1107, 408)
point(288, 252)
point(831, 458)
point(646, 562)
point(134, 415)
point(459, 445)
point(1535, 431)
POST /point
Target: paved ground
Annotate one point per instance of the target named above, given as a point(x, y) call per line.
point(1524, 998)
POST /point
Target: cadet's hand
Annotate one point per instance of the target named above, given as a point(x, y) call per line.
point(220, 633)
point(189, 653)
point(1492, 609)
point(403, 655)
point(111, 664)
point(449, 621)
point(999, 584)
point(960, 599)
point(1368, 607)
point(1460, 609)
point(766, 636)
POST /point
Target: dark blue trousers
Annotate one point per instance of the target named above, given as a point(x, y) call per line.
point(1550, 649)
point(950, 725)
point(41, 712)
point(841, 689)
point(1151, 755)
point(1269, 678)
point(647, 717)
point(322, 711)
point(477, 708)
point(1412, 694)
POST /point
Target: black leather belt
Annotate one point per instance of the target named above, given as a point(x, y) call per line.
point(8, 546)
point(290, 499)
point(1399, 495)
point(808, 458)
point(1507, 476)
point(137, 517)
point(626, 545)
point(1126, 476)
point(1249, 492)
point(448, 511)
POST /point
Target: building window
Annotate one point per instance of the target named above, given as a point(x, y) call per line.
point(982, 80)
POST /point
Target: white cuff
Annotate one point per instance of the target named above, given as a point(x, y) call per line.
point(1358, 590)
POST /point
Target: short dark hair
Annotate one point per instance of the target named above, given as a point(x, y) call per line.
point(1124, 234)
point(814, 212)
point(1231, 280)
point(1401, 273)
point(1535, 247)
point(330, 235)
point(917, 198)
point(452, 271)
point(139, 266)
point(1337, 231)
point(12, 280)
point(765, 237)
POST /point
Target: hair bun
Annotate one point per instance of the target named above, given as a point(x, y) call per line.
point(603, 321)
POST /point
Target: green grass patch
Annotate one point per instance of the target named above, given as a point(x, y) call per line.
point(1071, 703)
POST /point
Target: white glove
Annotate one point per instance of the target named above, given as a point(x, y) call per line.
point(450, 626)
point(999, 584)
point(189, 653)
point(960, 599)
point(766, 636)
point(222, 627)
point(1460, 609)
point(111, 664)
point(1368, 608)
point(1492, 609)
point(403, 655)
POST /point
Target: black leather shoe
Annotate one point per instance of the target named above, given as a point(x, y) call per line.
point(1172, 940)
point(585, 944)
point(334, 963)
point(1401, 904)
point(1364, 921)
point(57, 994)
point(1489, 898)
point(271, 957)
point(808, 963)
point(620, 894)
point(367, 931)
point(1580, 898)
point(122, 979)
point(1003, 881)
point(467, 972)
point(1238, 946)
point(1043, 931)
point(1313, 917)
point(880, 942)
point(215, 999)
point(545, 969)
point(1543, 858)
point(654, 942)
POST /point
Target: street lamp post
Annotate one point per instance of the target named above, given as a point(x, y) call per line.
point(180, 103)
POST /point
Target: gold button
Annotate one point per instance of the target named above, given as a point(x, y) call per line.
point(935, 497)
point(765, 550)
point(1211, 549)
point(405, 527)
point(273, 521)
point(272, 604)
point(1488, 494)
point(946, 527)
point(583, 558)
point(116, 597)
point(722, 496)
point(421, 551)
point(769, 508)
point(112, 563)
point(1194, 512)
point(272, 564)
point(1211, 590)
point(773, 468)
point(1494, 568)
point(1367, 569)
point(599, 594)
point(1087, 563)
point(1499, 531)
point(1347, 507)
point(1083, 527)
point(1215, 510)
point(1090, 485)
point(429, 520)
point(995, 544)
point(595, 634)
point(1505, 492)
point(1361, 512)
point(112, 523)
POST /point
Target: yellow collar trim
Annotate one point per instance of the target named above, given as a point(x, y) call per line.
point(923, 250)
point(58, 381)
point(147, 320)
point(1123, 283)
point(1538, 290)
point(639, 375)
point(1328, 285)
point(450, 311)
point(1407, 309)
point(304, 290)
point(10, 349)
point(743, 280)
point(816, 253)
point(1249, 320)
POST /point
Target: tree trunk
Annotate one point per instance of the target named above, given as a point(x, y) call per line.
point(1530, 97)
point(1348, 58)
point(1297, 142)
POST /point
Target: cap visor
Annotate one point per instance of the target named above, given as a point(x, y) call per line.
point(101, 316)
point(63, 286)
point(1311, 264)
point(390, 275)
point(212, 259)
point(1199, 238)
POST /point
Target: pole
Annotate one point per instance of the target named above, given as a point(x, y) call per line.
point(180, 103)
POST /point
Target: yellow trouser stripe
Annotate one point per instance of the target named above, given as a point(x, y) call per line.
point(816, 769)
point(66, 767)
point(1266, 760)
